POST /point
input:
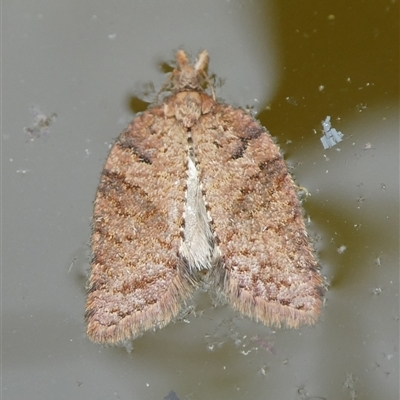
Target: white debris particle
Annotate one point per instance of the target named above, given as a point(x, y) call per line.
point(330, 135)
point(377, 291)
point(88, 152)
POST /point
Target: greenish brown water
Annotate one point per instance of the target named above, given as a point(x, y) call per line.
point(295, 63)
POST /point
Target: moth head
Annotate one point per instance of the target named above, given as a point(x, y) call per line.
point(188, 76)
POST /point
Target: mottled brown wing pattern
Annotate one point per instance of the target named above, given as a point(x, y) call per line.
point(268, 270)
point(194, 191)
point(136, 283)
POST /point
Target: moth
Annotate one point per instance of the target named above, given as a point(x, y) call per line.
point(195, 191)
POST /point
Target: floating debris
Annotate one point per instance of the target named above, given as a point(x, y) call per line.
point(41, 124)
point(171, 396)
point(331, 135)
